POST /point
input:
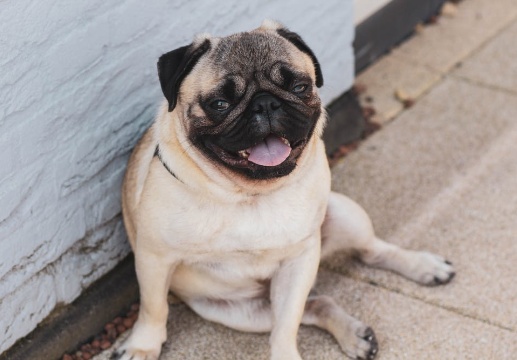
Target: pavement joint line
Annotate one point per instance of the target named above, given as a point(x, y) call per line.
point(427, 90)
point(490, 38)
point(372, 282)
point(458, 185)
point(469, 54)
point(482, 84)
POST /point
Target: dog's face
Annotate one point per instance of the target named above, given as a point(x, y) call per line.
point(247, 101)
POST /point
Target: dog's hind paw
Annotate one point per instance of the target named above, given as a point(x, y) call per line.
point(430, 269)
point(372, 347)
point(363, 345)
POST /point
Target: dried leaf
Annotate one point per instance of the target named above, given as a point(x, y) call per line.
point(449, 9)
point(401, 95)
point(358, 89)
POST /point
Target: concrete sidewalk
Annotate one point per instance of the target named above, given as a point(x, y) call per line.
point(439, 176)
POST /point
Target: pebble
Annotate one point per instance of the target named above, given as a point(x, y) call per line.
point(96, 344)
point(121, 329)
point(105, 344)
point(128, 322)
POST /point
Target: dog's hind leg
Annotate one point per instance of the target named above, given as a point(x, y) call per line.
point(255, 315)
point(356, 339)
point(348, 227)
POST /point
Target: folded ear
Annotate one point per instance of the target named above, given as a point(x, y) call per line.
point(297, 41)
point(175, 65)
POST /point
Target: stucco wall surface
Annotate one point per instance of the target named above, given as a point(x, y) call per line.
point(78, 86)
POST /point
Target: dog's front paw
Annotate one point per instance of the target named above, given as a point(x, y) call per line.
point(141, 345)
point(430, 269)
point(134, 354)
point(292, 355)
point(129, 352)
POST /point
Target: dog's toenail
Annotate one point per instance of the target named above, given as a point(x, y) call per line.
point(448, 262)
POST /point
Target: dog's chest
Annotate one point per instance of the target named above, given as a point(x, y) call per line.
point(268, 222)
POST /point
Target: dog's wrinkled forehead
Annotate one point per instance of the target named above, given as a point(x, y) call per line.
point(248, 53)
point(254, 60)
point(268, 53)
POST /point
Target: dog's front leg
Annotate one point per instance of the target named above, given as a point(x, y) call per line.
point(290, 287)
point(147, 336)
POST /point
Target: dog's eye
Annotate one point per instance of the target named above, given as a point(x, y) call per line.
point(220, 105)
point(299, 88)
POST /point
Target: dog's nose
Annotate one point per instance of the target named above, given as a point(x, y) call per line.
point(265, 103)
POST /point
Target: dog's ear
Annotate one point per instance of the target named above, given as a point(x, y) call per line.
point(297, 41)
point(175, 65)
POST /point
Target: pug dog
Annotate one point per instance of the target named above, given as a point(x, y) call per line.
point(227, 199)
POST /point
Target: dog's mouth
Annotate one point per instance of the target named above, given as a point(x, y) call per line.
point(270, 152)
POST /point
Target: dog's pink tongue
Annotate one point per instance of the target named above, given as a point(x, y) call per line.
point(270, 152)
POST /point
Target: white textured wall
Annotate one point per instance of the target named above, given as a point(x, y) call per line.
point(78, 85)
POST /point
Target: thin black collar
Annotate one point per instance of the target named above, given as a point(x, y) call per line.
point(159, 156)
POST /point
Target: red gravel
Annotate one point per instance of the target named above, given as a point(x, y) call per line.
point(370, 128)
point(106, 338)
